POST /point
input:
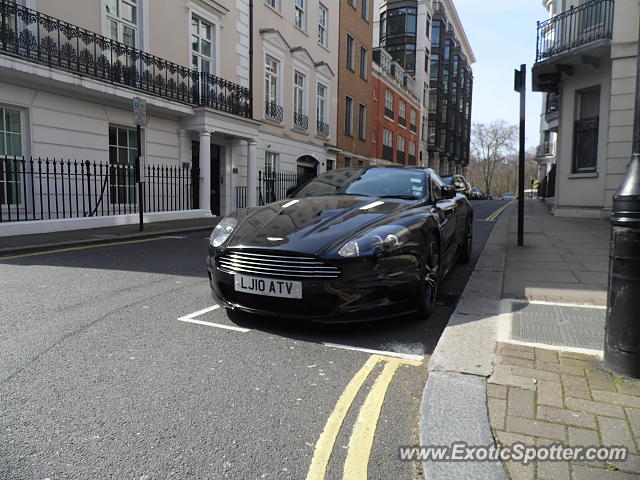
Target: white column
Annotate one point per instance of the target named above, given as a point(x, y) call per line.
point(205, 171)
point(252, 175)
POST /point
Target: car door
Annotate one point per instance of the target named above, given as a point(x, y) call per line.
point(447, 218)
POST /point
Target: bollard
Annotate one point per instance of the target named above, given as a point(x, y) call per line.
point(622, 331)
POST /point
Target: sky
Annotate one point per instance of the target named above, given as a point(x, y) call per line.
point(502, 34)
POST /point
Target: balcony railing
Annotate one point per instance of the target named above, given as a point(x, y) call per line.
point(575, 27)
point(300, 121)
point(402, 121)
point(388, 113)
point(413, 127)
point(387, 153)
point(552, 103)
point(39, 38)
point(322, 128)
point(400, 156)
point(273, 111)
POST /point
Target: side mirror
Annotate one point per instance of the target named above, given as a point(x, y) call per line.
point(449, 192)
point(291, 191)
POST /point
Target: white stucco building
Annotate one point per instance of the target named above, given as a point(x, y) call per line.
point(586, 63)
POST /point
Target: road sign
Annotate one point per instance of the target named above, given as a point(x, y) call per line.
point(139, 111)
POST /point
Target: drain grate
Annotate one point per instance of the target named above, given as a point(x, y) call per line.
point(558, 325)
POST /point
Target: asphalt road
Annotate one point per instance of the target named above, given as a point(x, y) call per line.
point(100, 379)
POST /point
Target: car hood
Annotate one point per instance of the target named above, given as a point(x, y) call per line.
point(310, 225)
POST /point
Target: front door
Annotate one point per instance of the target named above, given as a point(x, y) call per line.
point(215, 186)
point(307, 169)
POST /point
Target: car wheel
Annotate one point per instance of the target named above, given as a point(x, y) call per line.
point(467, 246)
point(429, 280)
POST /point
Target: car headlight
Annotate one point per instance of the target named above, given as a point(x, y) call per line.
point(222, 231)
point(385, 239)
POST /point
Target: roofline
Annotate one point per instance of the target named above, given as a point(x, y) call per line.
point(462, 36)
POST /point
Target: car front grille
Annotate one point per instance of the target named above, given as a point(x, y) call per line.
point(277, 264)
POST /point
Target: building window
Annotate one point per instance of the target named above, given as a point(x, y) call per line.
point(321, 110)
point(387, 145)
point(435, 33)
point(412, 153)
point(443, 139)
point(365, 9)
point(435, 66)
point(348, 116)
point(362, 122)
point(586, 129)
point(10, 146)
point(300, 119)
point(432, 134)
point(270, 163)
point(122, 21)
point(123, 150)
point(323, 24)
point(388, 104)
point(447, 50)
point(428, 26)
point(329, 165)
point(275, 4)
point(202, 46)
point(352, 3)
point(402, 113)
point(404, 54)
point(299, 18)
point(398, 22)
point(347, 162)
point(412, 120)
point(444, 111)
point(363, 63)
point(351, 53)
point(400, 149)
point(271, 88)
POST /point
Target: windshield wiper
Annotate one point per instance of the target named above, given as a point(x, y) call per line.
point(401, 197)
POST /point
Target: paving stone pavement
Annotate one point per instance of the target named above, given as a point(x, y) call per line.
point(541, 397)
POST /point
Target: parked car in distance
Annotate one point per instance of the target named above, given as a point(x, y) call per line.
point(477, 194)
point(459, 183)
point(509, 196)
point(353, 244)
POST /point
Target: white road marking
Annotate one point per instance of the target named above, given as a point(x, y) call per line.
point(562, 304)
point(406, 356)
point(191, 319)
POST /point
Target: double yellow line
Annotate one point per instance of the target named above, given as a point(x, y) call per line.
point(494, 216)
point(364, 429)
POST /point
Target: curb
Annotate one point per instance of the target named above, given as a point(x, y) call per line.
point(113, 239)
point(454, 400)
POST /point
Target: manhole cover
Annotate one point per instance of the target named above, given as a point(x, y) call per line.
point(580, 327)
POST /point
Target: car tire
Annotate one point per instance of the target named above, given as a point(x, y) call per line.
point(429, 280)
point(464, 256)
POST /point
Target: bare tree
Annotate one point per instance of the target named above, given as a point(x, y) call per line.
point(492, 147)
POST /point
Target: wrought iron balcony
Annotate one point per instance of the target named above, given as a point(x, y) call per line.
point(387, 153)
point(300, 121)
point(388, 113)
point(322, 128)
point(402, 121)
point(400, 157)
point(574, 28)
point(39, 38)
point(273, 111)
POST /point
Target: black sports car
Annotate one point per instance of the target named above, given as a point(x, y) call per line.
point(353, 244)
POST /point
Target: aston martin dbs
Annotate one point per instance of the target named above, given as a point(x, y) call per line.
point(353, 244)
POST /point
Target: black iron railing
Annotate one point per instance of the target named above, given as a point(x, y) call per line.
point(412, 160)
point(387, 153)
point(300, 121)
point(322, 128)
point(40, 38)
point(552, 103)
point(272, 187)
point(43, 189)
point(575, 27)
point(400, 156)
point(585, 150)
point(274, 111)
point(413, 127)
point(388, 113)
point(402, 121)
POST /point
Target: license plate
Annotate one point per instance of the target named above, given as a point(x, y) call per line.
point(269, 287)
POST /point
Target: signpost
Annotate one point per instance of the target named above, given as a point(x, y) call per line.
point(140, 119)
point(520, 86)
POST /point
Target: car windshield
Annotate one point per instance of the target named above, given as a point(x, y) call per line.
point(447, 180)
point(371, 182)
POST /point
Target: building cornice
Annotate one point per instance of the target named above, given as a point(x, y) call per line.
point(461, 35)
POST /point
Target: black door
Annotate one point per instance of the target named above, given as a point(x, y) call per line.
point(307, 169)
point(215, 186)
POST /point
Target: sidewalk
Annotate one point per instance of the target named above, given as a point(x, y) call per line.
point(532, 346)
point(101, 235)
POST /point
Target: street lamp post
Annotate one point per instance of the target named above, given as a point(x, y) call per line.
point(622, 331)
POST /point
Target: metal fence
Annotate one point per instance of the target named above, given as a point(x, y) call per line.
point(40, 38)
point(272, 187)
point(575, 27)
point(43, 189)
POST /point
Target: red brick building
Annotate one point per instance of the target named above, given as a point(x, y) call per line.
point(396, 113)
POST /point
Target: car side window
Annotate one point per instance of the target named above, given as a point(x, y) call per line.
point(436, 189)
